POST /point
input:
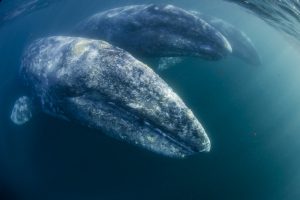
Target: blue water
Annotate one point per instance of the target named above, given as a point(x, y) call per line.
point(251, 114)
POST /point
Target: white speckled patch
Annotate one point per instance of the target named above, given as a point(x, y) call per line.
point(22, 111)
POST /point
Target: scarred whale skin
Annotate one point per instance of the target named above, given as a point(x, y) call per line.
point(242, 46)
point(103, 87)
point(156, 31)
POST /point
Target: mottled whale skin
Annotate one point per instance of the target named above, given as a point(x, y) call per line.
point(103, 87)
point(242, 46)
point(156, 31)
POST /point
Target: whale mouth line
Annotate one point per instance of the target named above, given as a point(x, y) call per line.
point(129, 114)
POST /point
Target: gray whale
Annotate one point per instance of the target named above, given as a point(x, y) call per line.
point(103, 87)
point(156, 31)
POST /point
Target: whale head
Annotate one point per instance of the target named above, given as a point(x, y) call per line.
point(103, 87)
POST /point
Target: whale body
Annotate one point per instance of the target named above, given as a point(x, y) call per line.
point(156, 31)
point(103, 87)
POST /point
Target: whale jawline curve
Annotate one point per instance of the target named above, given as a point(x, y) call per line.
point(129, 114)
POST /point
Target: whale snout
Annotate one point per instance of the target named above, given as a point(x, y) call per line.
point(202, 142)
point(191, 135)
point(217, 46)
point(223, 43)
point(184, 136)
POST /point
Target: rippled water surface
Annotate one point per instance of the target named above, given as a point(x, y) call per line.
point(251, 114)
point(284, 15)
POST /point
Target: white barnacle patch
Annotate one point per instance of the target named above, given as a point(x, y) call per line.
point(169, 7)
point(80, 47)
point(165, 63)
point(151, 138)
point(135, 105)
point(104, 45)
point(22, 111)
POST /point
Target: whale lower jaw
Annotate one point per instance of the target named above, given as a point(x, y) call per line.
point(126, 125)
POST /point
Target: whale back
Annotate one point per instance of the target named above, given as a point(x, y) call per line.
point(156, 30)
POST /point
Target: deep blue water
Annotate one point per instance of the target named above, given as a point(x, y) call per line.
point(251, 114)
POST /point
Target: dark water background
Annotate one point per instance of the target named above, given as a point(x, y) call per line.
point(250, 113)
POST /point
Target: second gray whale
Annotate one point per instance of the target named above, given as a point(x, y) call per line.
point(156, 31)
